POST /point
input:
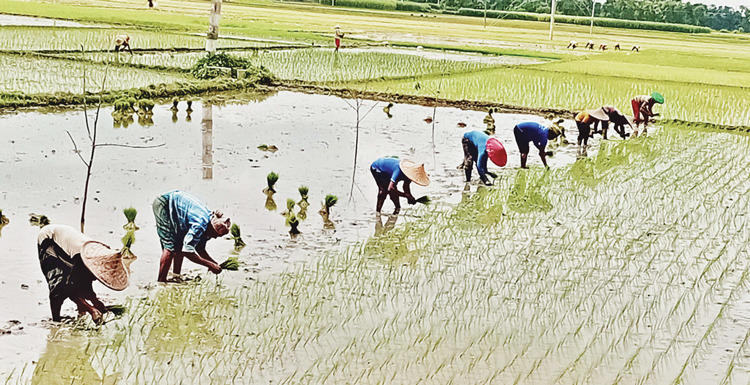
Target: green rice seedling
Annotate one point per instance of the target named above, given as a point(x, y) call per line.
point(127, 242)
point(425, 200)
point(236, 236)
point(117, 310)
point(271, 180)
point(232, 264)
point(130, 214)
point(146, 105)
point(329, 201)
point(293, 222)
point(38, 220)
point(189, 108)
point(303, 192)
point(175, 102)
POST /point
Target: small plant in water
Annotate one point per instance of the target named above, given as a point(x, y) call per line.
point(127, 242)
point(325, 212)
point(38, 220)
point(293, 222)
point(303, 191)
point(271, 180)
point(232, 264)
point(130, 214)
point(236, 236)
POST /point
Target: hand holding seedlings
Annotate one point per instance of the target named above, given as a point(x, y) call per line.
point(184, 225)
point(232, 264)
point(71, 261)
point(388, 172)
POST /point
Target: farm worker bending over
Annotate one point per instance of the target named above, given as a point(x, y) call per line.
point(71, 262)
point(526, 132)
point(389, 171)
point(477, 148)
point(122, 42)
point(617, 118)
point(184, 225)
point(643, 107)
point(584, 119)
point(337, 36)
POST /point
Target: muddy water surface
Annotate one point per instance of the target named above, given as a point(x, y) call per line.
point(40, 173)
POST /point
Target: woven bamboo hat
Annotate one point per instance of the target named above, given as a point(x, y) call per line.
point(415, 172)
point(599, 114)
point(106, 265)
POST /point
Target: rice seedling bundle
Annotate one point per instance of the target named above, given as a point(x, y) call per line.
point(232, 264)
point(237, 236)
point(38, 220)
point(271, 180)
point(130, 214)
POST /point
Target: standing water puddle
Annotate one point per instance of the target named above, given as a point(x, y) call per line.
point(315, 137)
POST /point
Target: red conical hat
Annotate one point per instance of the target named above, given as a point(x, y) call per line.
point(496, 152)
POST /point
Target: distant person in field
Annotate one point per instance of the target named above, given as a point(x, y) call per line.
point(636, 48)
point(388, 172)
point(537, 133)
point(478, 147)
point(617, 47)
point(603, 47)
point(184, 225)
point(643, 108)
point(337, 36)
point(71, 262)
point(618, 119)
point(573, 44)
point(122, 42)
point(489, 121)
point(590, 44)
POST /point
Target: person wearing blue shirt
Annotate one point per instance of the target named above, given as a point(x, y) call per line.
point(388, 172)
point(539, 134)
point(184, 225)
point(478, 147)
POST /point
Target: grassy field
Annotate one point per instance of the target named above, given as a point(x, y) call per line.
point(630, 267)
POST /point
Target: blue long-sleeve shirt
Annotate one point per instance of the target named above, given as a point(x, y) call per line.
point(390, 166)
point(534, 132)
point(479, 140)
point(189, 218)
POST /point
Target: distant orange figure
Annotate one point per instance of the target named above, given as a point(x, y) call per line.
point(337, 36)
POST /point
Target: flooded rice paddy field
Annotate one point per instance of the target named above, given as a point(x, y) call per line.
point(626, 266)
point(315, 136)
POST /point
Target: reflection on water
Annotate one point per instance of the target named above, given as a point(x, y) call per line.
point(207, 129)
point(528, 193)
point(382, 228)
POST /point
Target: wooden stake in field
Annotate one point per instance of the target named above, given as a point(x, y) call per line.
point(213, 27)
point(552, 19)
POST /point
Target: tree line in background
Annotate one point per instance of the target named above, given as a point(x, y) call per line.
point(661, 11)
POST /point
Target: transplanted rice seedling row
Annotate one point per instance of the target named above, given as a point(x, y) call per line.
point(533, 88)
point(72, 39)
point(33, 75)
point(629, 267)
point(313, 65)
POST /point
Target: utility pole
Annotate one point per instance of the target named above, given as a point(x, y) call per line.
point(593, 10)
point(552, 19)
point(213, 27)
point(207, 144)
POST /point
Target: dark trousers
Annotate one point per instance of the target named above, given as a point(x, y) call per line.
point(584, 131)
point(471, 155)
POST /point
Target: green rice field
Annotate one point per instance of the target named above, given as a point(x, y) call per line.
point(630, 267)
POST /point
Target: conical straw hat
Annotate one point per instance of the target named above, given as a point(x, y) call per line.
point(415, 172)
point(598, 114)
point(496, 152)
point(106, 265)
